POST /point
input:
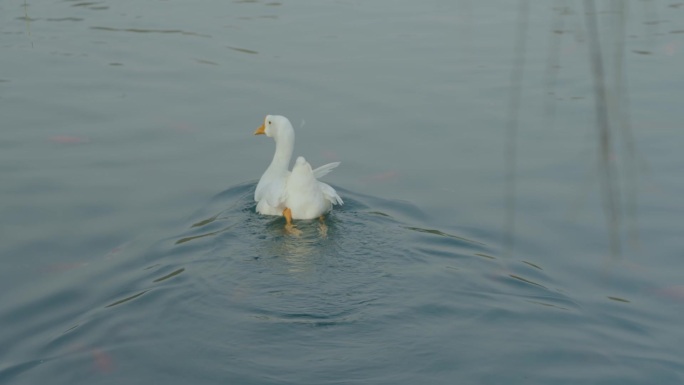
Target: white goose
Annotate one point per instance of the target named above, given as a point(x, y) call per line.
point(297, 194)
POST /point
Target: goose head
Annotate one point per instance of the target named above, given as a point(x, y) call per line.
point(275, 126)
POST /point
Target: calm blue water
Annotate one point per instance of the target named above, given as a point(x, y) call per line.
point(494, 230)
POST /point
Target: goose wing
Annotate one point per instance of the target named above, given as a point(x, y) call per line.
point(329, 193)
point(324, 170)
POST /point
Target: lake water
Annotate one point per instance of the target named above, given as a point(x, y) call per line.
point(511, 173)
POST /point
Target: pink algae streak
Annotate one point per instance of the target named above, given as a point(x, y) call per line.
point(104, 363)
point(62, 139)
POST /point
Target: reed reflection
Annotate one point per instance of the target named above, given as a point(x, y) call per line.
point(604, 33)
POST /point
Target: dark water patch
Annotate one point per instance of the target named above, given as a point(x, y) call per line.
point(145, 31)
point(532, 264)
point(203, 235)
point(170, 275)
point(85, 4)
point(618, 299)
point(64, 19)
point(243, 50)
point(208, 62)
point(547, 304)
point(655, 22)
point(525, 280)
point(124, 300)
point(441, 234)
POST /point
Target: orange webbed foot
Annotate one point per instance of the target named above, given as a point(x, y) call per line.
point(289, 227)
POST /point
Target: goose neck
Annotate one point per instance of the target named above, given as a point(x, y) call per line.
point(283, 153)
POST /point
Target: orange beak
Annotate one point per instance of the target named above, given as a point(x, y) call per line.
point(260, 131)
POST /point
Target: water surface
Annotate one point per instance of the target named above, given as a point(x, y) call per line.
point(493, 229)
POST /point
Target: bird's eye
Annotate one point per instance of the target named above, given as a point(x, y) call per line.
point(269, 122)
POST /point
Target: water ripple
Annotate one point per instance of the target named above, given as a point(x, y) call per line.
point(229, 281)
